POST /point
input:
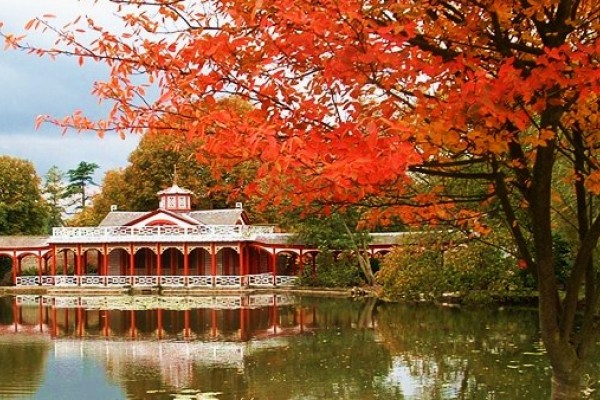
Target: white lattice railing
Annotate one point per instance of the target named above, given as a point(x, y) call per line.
point(219, 281)
point(145, 281)
point(118, 280)
point(48, 280)
point(66, 280)
point(154, 233)
point(154, 302)
point(28, 280)
point(228, 280)
point(284, 280)
point(176, 281)
point(260, 280)
point(200, 281)
point(92, 280)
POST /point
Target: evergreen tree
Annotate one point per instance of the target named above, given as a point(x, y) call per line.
point(79, 179)
point(54, 191)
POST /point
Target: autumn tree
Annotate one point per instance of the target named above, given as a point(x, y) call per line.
point(354, 100)
point(23, 211)
point(113, 192)
point(79, 179)
point(152, 167)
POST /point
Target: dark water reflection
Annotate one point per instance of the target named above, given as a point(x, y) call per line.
point(269, 347)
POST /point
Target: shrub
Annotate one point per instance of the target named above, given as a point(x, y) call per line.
point(473, 270)
point(331, 271)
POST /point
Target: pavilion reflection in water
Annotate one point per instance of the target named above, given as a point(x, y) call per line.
point(171, 334)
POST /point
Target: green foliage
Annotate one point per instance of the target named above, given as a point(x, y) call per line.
point(151, 168)
point(22, 209)
point(333, 235)
point(54, 192)
point(562, 258)
point(331, 271)
point(474, 270)
point(79, 179)
point(5, 266)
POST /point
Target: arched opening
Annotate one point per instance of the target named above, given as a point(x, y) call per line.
point(309, 262)
point(286, 263)
point(6, 268)
point(65, 259)
point(377, 259)
point(145, 262)
point(228, 262)
point(91, 260)
point(259, 261)
point(199, 262)
point(118, 262)
point(29, 267)
point(172, 262)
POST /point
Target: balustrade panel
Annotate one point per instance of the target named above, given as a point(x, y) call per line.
point(177, 281)
point(200, 281)
point(227, 280)
point(260, 280)
point(283, 280)
point(66, 280)
point(28, 280)
point(225, 232)
point(93, 281)
point(145, 281)
point(48, 280)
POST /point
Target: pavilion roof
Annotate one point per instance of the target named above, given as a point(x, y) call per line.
point(230, 216)
point(23, 241)
point(206, 217)
point(121, 218)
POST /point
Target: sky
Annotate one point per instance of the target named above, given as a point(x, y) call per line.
point(31, 86)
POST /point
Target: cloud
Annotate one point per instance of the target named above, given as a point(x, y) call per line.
point(30, 86)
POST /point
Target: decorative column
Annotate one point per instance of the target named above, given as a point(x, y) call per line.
point(131, 261)
point(40, 260)
point(14, 267)
point(105, 261)
point(243, 274)
point(78, 261)
point(213, 261)
point(186, 263)
point(53, 270)
point(158, 261)
point(274, 264)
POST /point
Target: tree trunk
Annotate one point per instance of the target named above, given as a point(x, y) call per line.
point(566, 385)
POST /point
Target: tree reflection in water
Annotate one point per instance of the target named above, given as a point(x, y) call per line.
point(313, 348)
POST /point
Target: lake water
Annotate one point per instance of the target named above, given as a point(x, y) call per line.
point(266, 347)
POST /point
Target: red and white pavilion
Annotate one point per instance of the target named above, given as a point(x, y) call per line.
point(170, 247)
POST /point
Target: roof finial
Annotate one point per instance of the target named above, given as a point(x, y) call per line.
point(175, 175)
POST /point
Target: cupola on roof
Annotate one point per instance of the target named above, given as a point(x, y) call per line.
point(175, 189)
point(175, 198)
